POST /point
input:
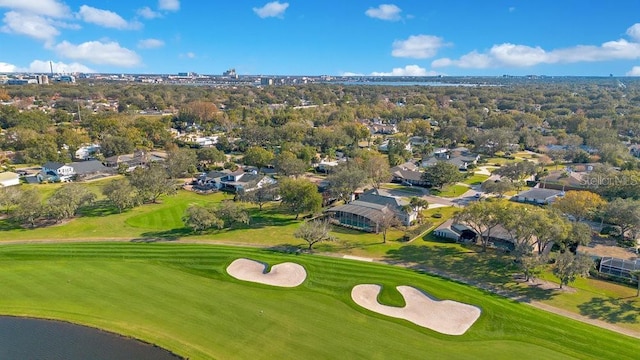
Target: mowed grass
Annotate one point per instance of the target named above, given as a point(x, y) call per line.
point(475, 179)
point(450, 191)
point(179, 297)
point(103, 222)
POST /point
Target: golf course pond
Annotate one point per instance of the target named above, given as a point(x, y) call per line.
point(27, 338)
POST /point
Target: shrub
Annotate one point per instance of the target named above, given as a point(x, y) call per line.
point(611, 230)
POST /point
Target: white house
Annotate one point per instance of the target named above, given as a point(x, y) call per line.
point(326, 166)
point(85, 151)
point(9, 178)
point(206, 141)
point(56, 171)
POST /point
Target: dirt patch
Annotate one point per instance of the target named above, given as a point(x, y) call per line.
point(607, 250)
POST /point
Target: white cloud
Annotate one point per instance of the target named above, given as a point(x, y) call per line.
point(105, 18)
point(65, 25)
point(635, 71)
point(34, 26)
point(169, 5)
point(6, 67)
point(147, 13)
point(349, 73)
point(388, 12)
point(473, 60)
point(97, 52)
point(189, 55)
point(518, 55)
point(513, 55)
point(417, 46)
point(409, 70)
point(272, 9)
point(634, 31)
point(52, 8)
point(41, 66)
point(150, 43)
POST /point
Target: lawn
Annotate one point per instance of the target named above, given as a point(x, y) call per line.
point(273, 228)
point(179, 297)
point(450, 191)
point(411, 191)
point(103, 222)
point(163, 221)
point(475, 179)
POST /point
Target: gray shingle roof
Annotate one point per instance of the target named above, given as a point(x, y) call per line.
point(89, 167)
point(539, 194)
point(216, 174)
point(53, 165)
point(367, 210)
point(408, 174)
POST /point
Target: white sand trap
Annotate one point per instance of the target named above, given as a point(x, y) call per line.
point(447, 316)
point(286, 274)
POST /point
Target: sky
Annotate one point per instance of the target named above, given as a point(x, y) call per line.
point(323, 37)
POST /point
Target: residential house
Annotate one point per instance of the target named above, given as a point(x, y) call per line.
point(573, 177)
point(384, 147)
point(211, 180)
point(498, 238)
point(86, 151)
point(407, 174)
point(418, 141)
point(326, 166)
point(369, 209)
point(554, 147)
point(92, 169)
point(538, 196)
point(206, 141)
point(383, 129)
point(9, 178)
point(460, 157)
point(240, 181)
point(455, 231)
point(56, 171)
point(138, 158)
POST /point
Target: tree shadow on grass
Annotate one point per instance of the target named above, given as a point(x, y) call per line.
point(98, 209)
point(492, 271)
point(285, 249)
point(166, 235)
point(8, 224)
point(611, 310)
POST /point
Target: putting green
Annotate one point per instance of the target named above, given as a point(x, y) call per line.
point(179, 297)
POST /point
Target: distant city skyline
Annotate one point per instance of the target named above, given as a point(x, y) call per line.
point(399, 38)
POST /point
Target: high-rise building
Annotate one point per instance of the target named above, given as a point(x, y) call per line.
point(42, 79)
point(230, 73)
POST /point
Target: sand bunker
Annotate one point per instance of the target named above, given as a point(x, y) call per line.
point(286, 274)
point(447, 317)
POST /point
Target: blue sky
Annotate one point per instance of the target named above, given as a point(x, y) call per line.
point(330, 37)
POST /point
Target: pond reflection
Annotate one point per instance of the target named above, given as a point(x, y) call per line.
point(27, 338)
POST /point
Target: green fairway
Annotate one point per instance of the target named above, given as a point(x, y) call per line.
point(179, 297)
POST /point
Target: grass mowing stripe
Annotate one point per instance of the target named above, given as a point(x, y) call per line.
point(179, 296)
